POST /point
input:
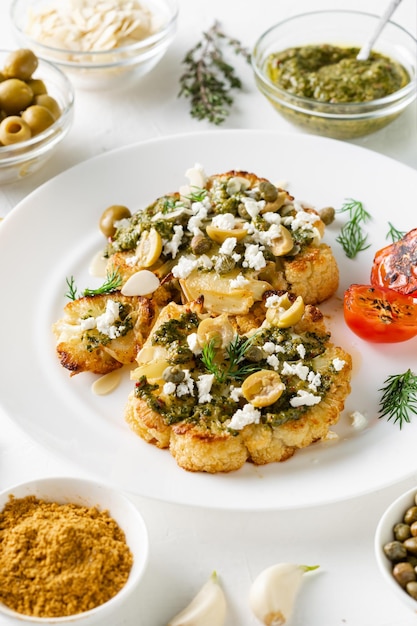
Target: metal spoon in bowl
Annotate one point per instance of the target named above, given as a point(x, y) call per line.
point(364, 52)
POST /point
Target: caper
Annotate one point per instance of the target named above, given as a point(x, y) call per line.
point(110, 216)
point(401, 531)
point(395, 551)
point(224, 264)
point(15, 95)
point(173, 375)
point(241, 209)
point(268, 191)
point(410, 515)
point(200, 244)
point(403, 573)
point(411, 545)
point(38, 118)
point(327, 215)
point(13, 129)
point(411, 588)
point(20, 64)
point(254, 354)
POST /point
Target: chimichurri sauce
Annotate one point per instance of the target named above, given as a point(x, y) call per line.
point(331, 74)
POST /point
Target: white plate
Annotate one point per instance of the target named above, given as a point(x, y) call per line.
point(54, 234)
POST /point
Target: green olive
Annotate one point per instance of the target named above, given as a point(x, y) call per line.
point(110, 216)
point(20, 64)
point(49, 103)
point(13, 129)
point(15, 96)
point(38, 118)
point(37, 85)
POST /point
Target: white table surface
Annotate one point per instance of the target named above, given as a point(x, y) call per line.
point(188, 543)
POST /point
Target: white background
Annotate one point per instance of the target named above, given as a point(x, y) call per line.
point(188, 543)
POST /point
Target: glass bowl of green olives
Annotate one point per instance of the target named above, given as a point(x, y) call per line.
point(396, 547)
point(100, 45)
point(307, 68)
point(36, 112)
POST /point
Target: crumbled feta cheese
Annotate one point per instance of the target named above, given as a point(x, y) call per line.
point(272, 218)
point(200, 211)
point(105, 322)
point(235, 393)
point(252, 206)
point(184, 267)
point(273, 301)
point(304, 398)
point(254, 257)
point(193, 343)
point(204, 384)
point(314, 378)
point(239, 281)
point(273, 361)
point(228, 246)
point(224, 221)
point(186, 388)
point(359, 421)
point(247, 415)
point(301, 350)
point(338, 364)
point(169, 388)
point(269, 347)
point(296, 369)
point(171, 247)
point(88, 324)
point(205, 262)
point(196, 176)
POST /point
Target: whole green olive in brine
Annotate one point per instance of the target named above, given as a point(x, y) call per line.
point(110, 216)
point(20, 64)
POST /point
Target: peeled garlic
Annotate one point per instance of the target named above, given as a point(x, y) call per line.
point(207, 608)
point(273, 592)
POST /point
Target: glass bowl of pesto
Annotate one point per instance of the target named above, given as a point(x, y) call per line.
point(72, 551)
point(306, 67)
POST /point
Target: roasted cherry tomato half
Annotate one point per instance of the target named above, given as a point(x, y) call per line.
point(379, 314)
point(395, 266)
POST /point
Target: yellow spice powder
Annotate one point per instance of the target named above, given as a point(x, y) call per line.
point(59, 559)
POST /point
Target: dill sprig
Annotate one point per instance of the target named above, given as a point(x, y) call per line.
point(233, 366)
point(209, 78)
point(399, 397)
point(112, 283)
point(394, 234)
point(352, 237)
point(71, 294)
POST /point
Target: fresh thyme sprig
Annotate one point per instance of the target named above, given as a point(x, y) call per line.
point(112, 283)
point(394, 234)
point(352, 237)
point(233, 368)
point(399, 397)
point(209, 78)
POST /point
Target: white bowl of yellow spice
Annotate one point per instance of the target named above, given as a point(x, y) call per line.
point(71, 550)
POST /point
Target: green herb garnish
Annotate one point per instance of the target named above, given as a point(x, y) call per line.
point(352, 238)
point(112, 283)
point(399, 397)
point(208, 78)
point(72, 289)
point(394, 234)
point(233, 367)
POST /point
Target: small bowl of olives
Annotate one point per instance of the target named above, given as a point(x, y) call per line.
point(99, 45)
point(307, 68)
point(36, 112)
point(396, 547)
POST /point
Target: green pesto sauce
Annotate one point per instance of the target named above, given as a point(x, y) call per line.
point(329, 73)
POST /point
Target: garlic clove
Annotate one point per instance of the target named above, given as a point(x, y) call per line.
point(207, 608)
point(274, 591)
point(141, 283)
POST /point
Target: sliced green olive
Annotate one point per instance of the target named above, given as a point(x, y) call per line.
point(283, 243)
point(262, 388)
point(14, 130)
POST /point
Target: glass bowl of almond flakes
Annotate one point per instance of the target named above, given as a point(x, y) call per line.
point(99, 44)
